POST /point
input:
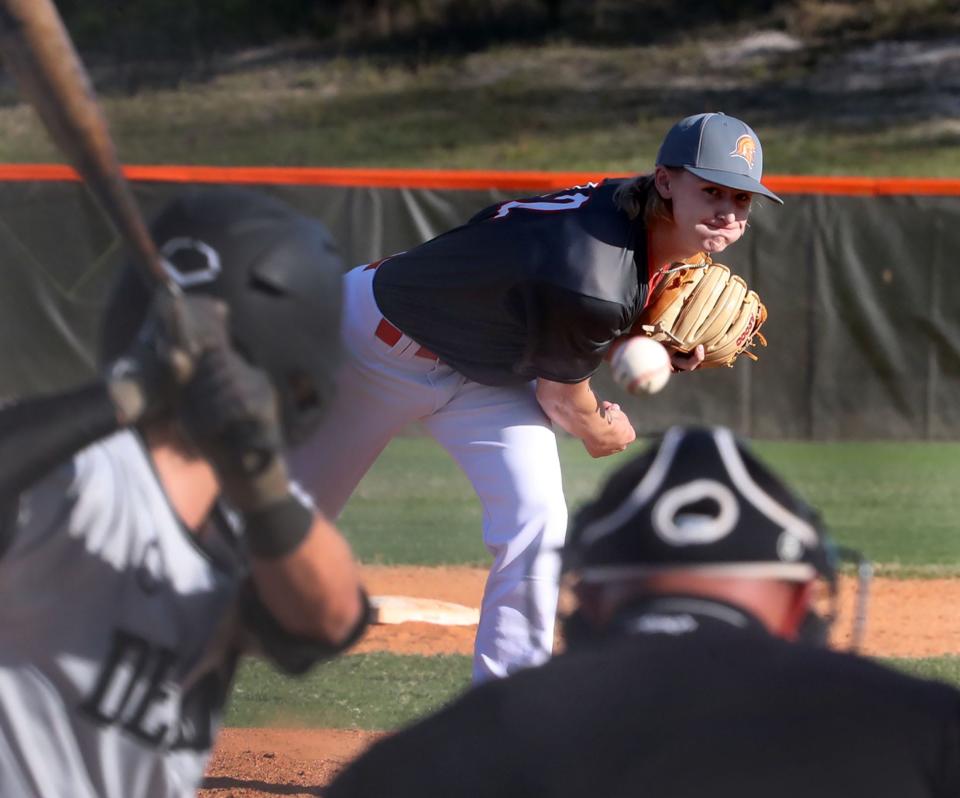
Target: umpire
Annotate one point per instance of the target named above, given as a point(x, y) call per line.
point(693, 663)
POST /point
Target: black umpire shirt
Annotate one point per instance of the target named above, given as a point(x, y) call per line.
point(529, 288)
point(693, 699)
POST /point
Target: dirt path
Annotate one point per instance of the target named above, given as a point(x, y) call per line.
point(907, 618)
point(257, 763)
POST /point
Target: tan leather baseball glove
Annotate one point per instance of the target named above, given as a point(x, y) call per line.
point(702, 302)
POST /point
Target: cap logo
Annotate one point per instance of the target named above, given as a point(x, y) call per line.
point(745, 148)
point(190, 262)
point(678, 527)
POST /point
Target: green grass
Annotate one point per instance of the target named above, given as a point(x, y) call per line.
point(386, 691)
point(365, 691)
point(414, 506)
point(897, 502)
point(944, 669)
point(556, 107)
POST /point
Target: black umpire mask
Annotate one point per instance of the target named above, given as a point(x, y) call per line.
point(698, 499)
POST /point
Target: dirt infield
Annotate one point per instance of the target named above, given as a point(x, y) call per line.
point(908, 618)
point(258, 763)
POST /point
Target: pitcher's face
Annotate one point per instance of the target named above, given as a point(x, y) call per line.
point(707, 217)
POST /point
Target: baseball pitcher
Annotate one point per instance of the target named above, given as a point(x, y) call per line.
point(488, 335)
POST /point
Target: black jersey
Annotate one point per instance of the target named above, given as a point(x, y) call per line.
point(528, 288)
point(693, 699)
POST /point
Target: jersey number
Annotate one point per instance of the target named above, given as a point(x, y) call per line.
point(561, 202)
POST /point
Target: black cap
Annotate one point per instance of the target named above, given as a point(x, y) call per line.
point(698, 499)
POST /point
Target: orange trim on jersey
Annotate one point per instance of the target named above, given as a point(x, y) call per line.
point(461, 179)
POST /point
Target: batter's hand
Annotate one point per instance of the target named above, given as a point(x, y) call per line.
point(145, 380)
point(230, 410)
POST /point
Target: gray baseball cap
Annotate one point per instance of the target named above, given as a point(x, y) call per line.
point(718, 148)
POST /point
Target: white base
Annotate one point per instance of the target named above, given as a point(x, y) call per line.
point(402, 609)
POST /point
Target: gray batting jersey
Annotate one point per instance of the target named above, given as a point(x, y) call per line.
point(119, 634)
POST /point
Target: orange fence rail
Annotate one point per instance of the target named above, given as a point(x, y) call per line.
point(460, 179)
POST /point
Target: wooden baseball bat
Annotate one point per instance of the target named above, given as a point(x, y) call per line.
point(40, 56)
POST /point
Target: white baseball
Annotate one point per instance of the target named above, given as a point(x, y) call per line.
point(641, 365)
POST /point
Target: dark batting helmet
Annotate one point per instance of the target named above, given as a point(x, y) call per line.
point(278, 272)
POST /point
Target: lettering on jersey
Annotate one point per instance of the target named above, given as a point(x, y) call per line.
point(558, 202)
point(150, 570)
point(131, 680)
point(137, 691)
point(197, 710)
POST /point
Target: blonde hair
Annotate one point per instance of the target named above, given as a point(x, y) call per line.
point(639, 197)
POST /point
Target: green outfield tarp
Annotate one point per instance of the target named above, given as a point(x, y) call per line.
point(864, 328)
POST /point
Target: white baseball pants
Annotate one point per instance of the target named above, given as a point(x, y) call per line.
point(500, 438)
